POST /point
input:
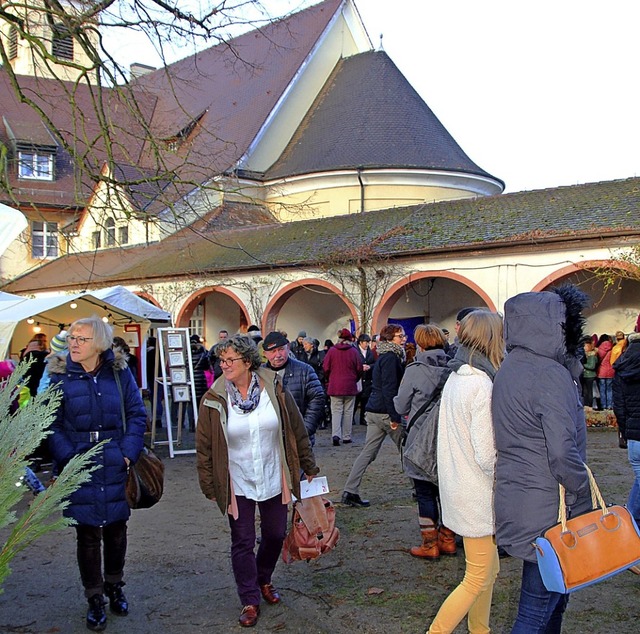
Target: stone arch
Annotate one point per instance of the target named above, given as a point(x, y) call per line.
point(320, 309)
point(612, 309)
point(221, 312)
point(469, 292)
point(148, 298)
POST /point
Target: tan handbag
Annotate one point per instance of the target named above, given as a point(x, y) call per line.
point(313, 530)
point(588, 548)
point(145, 481)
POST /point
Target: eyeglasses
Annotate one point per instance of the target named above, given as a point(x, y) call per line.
point(400, 336)
point(229, 362)
point(80, 340)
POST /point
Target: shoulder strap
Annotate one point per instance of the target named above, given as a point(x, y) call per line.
point(116, 376)
point(434, 399)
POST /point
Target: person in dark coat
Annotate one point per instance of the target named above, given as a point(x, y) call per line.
point(626, 406)
point(100, 401)
point(132, 360)
point(36, 351)
point(312, 356)
point(342, 367)
point(382, 418)
point(368, 360)
point(297, 377)
point(200, 363)
point(541, 437)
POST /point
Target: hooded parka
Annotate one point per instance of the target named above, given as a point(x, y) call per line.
point(539, 422)
point(91, 411)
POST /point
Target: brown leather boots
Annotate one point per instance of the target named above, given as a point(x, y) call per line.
point(435, 542)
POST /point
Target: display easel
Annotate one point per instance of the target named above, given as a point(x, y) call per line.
point(173, 373)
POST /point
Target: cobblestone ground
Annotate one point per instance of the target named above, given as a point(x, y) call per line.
point(179, 578)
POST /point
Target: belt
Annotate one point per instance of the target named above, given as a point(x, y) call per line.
point(93, 436)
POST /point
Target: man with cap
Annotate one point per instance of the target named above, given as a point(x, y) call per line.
point(343, 369)
point(297, 377)
point(368, 359)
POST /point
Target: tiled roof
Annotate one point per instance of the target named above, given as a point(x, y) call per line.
point(225, 93)
point(71, 110)
point(368, 115)
point(594, 210)
point(231, 89)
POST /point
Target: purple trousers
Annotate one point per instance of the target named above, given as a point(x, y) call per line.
point(251, 569)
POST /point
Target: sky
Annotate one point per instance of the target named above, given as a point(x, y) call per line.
point(539, 94)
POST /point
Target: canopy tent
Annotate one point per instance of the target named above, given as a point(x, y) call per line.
point(52, 314)
point(12, 224)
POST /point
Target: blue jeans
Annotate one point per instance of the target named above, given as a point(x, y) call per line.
point(633, 504)
point(606, 393)
point(427, 495)
point(539, 611)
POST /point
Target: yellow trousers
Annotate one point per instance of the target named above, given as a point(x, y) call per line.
point(473, 595)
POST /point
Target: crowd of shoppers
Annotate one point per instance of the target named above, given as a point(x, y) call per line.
point(509, 398)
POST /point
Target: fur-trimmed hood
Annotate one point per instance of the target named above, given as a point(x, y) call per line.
point(548, 323)
point(59, 363)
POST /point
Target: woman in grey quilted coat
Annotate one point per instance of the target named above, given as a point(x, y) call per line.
point(541, 438)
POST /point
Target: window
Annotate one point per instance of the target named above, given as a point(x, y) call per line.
point(44, 239)
point(35, 164)
point(62, 43)
point(110, 232)
point(123, 235)
point(96, 239)
point(13, 42)
point(196, 322)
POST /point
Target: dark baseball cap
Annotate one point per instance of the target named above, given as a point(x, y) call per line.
point(274, 340)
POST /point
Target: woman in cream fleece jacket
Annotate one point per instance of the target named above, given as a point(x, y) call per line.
point(466, 461)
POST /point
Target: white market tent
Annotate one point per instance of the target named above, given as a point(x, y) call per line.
point(53, 313)
point(12, 224)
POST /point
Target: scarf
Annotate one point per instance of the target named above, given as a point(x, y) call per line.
point(390, 346)
point(239, 404)
point(476, 360)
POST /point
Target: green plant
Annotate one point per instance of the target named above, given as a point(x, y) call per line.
point(21, 432)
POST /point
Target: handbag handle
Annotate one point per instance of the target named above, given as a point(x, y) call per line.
point(596, 500)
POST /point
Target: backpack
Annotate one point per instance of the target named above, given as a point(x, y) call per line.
point(313, 530)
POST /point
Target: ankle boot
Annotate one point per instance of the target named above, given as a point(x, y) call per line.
point(117, 601)
point(446, 541)
point(96, 616)
point(429, 547)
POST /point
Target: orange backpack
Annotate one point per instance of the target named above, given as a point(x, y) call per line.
point(313, 530)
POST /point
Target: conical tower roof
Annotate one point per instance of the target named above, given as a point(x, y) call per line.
point(369, 116)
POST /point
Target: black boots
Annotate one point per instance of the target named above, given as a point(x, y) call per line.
point(117, 601)
point(96, 616)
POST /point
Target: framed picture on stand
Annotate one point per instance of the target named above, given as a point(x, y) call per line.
point(176, 358)
point(174, 340)
point(180, 394)
point(178, 375)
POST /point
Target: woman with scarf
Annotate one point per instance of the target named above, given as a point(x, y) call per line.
point(466, 463)
point(251, 445)
point(380, 414)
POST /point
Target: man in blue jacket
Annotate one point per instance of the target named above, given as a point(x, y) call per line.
point(299, 378)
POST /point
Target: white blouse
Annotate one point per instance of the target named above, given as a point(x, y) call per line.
point(254, 451)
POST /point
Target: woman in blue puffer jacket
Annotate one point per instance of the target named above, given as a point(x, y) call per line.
point(98, 390)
